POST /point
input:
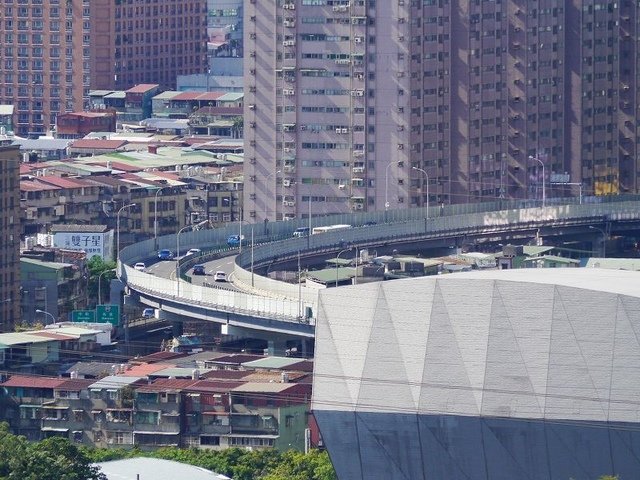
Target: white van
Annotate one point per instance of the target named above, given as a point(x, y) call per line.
point(301, 232)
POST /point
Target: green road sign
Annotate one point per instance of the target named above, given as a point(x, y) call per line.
point(108, 313)
point(83, 316)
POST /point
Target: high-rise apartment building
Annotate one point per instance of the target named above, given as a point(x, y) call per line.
point(9, 234)
point(53, 52)
point(365, 105)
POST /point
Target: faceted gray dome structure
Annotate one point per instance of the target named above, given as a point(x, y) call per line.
point(499, 375)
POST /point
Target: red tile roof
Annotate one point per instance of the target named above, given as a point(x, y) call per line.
point(97, 143)
point(31, 186)
point(24, 169)
point(146, 369)
point(210, 96)
point(75, 384)
point(142, 88)
point(27, 381)
point(64, 182)
point(187, 96)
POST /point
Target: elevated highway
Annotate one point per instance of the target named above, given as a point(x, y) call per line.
point(258, 303)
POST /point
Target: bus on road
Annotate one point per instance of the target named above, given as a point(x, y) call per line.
point(329, 228)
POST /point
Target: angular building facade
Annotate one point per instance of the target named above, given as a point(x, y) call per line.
point(9, 234)
point(491, 375)
point(364, 105)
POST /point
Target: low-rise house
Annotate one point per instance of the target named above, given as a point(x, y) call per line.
point(78, 124)
point(255, 409)
point(53, 287)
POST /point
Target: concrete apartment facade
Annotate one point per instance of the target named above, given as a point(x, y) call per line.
point(9, 235)
point(53, 52)
point(360, 105)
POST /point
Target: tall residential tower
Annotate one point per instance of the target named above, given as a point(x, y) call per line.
point(366, 105)
point(9, 234)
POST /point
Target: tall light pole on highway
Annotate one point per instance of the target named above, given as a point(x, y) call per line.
point(338, 261)
point(192, 226)
point(427, 178)
point(44, 312)
point(266, 213)
point(386, 184)
point(544, 180)
point(118, 228)
point(604, 240)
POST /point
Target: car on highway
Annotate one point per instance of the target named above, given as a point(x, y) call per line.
point(149, 312)
point(140, 266)
point(219, 276)
point(234, 240)
point(199, 270)
point(301, 232)
point(193, 251)
point(165, 254)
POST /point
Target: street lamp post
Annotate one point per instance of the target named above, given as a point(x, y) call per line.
point(427, 177)
point(337, 261)
point(155, 218)
point(53, 319)
point(544, 182)
point(196, 226)
point(386, 185)
point(604, 240)
point(118, 228)
point(100, 284)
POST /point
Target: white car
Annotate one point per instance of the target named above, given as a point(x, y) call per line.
point(193, 251)
point(219, 276)
point(141, 267)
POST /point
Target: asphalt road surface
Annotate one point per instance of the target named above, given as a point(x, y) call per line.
point(167, 269)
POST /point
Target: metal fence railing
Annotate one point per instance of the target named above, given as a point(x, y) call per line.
point(271, 298)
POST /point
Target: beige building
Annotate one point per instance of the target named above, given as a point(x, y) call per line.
point(358, 105)
point(9, 235)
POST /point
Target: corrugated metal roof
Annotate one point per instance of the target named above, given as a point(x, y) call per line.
point(28, 381)
point(43, 263)
point(168, 95)
point(114, 382)
point(142, 88)
point(272, 362)
point(64, 182)
point(31, 186)
point(78, 228)
point(145, 369)
point(259, 387)
point(129, 469)
point(97, 143)
point(231, 97)
point(18, 338)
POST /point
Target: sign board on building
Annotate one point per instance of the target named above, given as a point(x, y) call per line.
point(93, 243)
point(83, 316)
point(560, 178)
point(108, 313)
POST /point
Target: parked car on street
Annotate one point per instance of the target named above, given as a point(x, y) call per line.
point(165, 254)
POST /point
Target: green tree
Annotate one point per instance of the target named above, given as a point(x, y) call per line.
point(51, 459)
point(97, 267)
